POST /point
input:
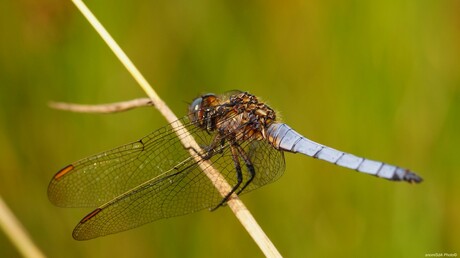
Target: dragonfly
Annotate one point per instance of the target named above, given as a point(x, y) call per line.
point(157, 177)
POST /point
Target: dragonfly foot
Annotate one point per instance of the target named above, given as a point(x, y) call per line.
point(221, 204)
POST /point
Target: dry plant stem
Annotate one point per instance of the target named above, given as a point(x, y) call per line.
point(102, 108)
point(17, 233)
point(238, 208)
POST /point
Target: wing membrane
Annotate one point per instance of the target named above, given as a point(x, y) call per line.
point(98, 179)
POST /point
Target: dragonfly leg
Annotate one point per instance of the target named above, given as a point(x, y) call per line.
point(216, 146)
point(239, 176)
point(249, 166)
point(205, 154)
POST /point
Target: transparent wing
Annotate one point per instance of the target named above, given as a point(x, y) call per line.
point(98, 179)
point(268, 162)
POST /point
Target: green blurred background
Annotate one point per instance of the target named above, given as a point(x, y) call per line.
point(375, 78)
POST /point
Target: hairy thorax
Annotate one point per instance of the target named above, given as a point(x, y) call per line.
point(238, 117)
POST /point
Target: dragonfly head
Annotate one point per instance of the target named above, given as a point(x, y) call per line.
point(199, 107)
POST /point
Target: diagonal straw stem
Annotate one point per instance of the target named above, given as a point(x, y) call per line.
point(17, 233)
point(235, 204)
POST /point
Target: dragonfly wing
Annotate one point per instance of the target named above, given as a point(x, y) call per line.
point(98, 179)
point(181, 190)
point(143, 204)
point(268, 162)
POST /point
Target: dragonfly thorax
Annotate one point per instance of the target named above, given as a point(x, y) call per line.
point(240, 116)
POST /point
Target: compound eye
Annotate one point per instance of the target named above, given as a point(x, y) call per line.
point(196, 105)
point(194, 110)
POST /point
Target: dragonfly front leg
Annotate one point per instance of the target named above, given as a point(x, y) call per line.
point(217, 145)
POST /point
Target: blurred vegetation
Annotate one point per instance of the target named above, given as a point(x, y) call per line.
point(375, 78)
